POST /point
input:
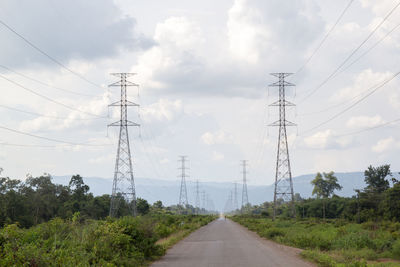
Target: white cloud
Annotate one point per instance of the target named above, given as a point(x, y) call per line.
point(384, 145)
point(364, 121)
point(162, 110)
point(79, 117)
point(178, 41)
point(319, 140)
point(218, 137)
point(326, 140)
point(246, 32)
point(363, 81)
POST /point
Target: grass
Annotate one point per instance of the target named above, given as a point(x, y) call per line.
point(333, 242)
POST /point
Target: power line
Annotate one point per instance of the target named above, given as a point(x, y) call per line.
point(372, 90)
point(44, 115)
point(49, 139)
point(351, 54)
point(325, 37)
point(49, 99)
point(368, 50)
point(347, 67)
point(45, 84)
point(47, 55)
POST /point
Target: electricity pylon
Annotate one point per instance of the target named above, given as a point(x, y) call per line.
point(235, 198)
point(197, 198)
point(245, 197)
point(123, 183)
point(203, 198)
point(183, 199)
point(283, 175)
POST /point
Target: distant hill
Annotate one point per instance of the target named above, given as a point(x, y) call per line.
point(168, 191)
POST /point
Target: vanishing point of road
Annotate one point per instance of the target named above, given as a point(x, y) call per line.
point(226, 243)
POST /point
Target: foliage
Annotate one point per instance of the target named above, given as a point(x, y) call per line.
point(128, 241)
point(376, 178)
point(331, 242)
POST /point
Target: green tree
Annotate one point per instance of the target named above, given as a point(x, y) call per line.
point(158, 205)
point(324, 187)
point(375, 177)
point(142, 206)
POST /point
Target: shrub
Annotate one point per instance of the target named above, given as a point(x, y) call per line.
point(396, 249)
point(273, 232)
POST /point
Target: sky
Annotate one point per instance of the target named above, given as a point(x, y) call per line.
point(203, 68)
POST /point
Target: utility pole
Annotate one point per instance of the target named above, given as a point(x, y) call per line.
point(123, 174)
point(197, 197)
point(245, 197)
point(283, 175)
point(235, 198)
point(183, 199)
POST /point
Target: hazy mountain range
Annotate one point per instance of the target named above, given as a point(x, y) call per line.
point(168, 191)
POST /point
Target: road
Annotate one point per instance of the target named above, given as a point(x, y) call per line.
point(226, 243)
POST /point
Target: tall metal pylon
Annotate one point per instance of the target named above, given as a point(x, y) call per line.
point(245, 196)
point(123, 183)
point(197, 207)
point(235, 198)
point(203, 198)
point(183, 199)
point(283, 176)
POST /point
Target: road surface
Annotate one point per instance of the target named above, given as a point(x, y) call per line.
point(226, 243)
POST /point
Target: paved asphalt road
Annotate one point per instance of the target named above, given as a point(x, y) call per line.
point(226, 243)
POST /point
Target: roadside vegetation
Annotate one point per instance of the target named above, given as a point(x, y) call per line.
point(46, 224)
point(363, 230)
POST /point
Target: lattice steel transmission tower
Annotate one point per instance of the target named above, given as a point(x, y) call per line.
point(203, 198)
point(197, 207)
point(283, 177)
point(123, 183)
point(235, 198)
point(183, 199)
point(245, 197)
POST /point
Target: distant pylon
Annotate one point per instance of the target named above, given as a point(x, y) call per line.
point(245, 197)
point(123, 183)
point(183, 199)
point(235, 198)
point(283, 176)
point(203, 198)
point(197, 197)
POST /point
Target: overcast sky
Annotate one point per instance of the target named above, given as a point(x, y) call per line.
point(203, 69)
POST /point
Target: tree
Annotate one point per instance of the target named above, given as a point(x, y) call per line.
point(158, 205)
point(142, 206)
point(375, 177)
point(324, 187)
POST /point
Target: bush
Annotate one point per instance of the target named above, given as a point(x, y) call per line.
point(273, 232)
point(396, 249)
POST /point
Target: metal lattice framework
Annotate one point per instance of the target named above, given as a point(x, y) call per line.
point(197, 197)
point(235, 198)
point(283, 178)
point(183, 199)
point(245, 197)
point(123, 183)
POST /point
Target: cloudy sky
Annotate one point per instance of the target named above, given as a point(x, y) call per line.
point(203, 69)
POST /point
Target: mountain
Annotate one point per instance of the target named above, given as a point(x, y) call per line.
point(168, 191)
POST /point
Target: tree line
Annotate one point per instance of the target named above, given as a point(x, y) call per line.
point(38, 199)
point(379, 200)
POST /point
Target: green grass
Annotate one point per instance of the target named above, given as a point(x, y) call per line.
point(333, 242)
